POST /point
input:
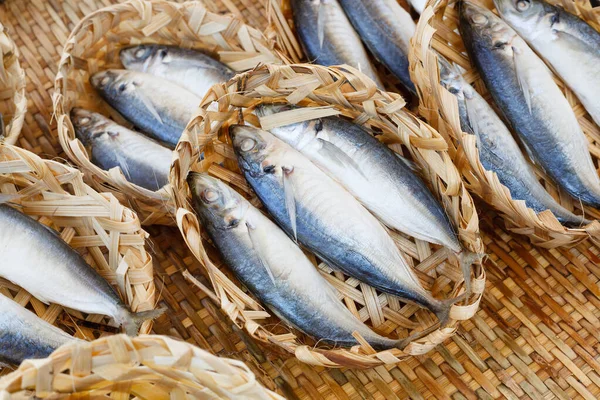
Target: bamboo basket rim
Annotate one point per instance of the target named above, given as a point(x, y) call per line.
point(14, 79)
point(440, 108)
point(110, 233)
point(188, 24)
point(320, 86)
point(159, 366)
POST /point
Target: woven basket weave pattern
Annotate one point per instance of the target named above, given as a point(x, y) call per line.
point(94, 45)
point(106, 233)
point(316, 85)
point(436, 30)
point(13, 104)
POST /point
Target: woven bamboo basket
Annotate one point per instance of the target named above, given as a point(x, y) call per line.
point(106, 233)
point(94, 45)
point(13, 104)
point(145, 367)
point(437, 30)
point(311, 85)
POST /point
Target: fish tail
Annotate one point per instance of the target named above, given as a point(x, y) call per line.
point(133, 321)
point(467, 259)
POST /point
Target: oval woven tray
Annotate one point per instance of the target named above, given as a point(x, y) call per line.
point(311, 85)
point(13, 104)
point(437, 30)
point(106, 233)
point(94, 45)
point(145, 367)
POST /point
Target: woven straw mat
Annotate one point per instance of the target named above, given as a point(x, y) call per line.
point(535, 336)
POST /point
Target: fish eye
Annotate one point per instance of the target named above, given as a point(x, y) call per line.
point(139, 53)
point(500, 45)
point(247, 144)
point(163, 53)
point(210, 196)
point(233, 223)
point(523, 5)
point(319, 125)
point(479, 19)
point(122, 87)
point(269, 169)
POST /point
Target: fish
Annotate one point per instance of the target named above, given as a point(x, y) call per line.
point(144, 162)
point(383, 181)
point(335, 41)
point(320, 214)
point(190, 69)
point(566, 42)
point(386, 28)
point(156, 106)
point(274, 268)
point(36, 258)
point(530, 101)
point(498, 150)
point(23, 335)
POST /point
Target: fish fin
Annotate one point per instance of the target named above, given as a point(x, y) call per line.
point(466, 260)
point(148, 103)
point(321, 24)
point(522, 79)
point(290, 200)
point(473, 118)
point(336, 154)
point(531, 156)
point(133, 321)
point(255, 245)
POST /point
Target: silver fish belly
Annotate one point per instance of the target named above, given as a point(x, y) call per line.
point(158, 107)
point(386, 28)
point(498, 150)
point(23, 335)
point(566, 42)
point(524, 90)
point(373, 173)
point(324, 217)
point(274, 268)
point(334, 41)
point(190, 69)
point(144, 162)
point(37, 259)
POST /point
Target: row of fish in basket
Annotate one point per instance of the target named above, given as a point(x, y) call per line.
point(283, 168)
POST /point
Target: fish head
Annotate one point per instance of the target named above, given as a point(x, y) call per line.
point(254, 148)
point(113, 83)
point(89, 126)
point(215, 202)
point(450, 77)
point(141, 57)
point(483, 28)
point(297, 134)
point(523, 15)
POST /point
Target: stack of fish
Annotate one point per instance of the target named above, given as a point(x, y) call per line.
point(329, 185)
point(530, 101)
point(342, 28)
point(158, 93)
point(35, 258)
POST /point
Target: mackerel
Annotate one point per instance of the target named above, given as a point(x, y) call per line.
point(158, 107)
point(38, 260)
point(190, 69)
point(524, 90)
point(318, 212)
point(144, 162)
point(274, 268)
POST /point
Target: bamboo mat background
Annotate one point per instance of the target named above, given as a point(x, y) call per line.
point(536, 336)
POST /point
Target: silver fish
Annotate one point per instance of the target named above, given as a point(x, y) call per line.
point(23, 335)
point(156, 106)
point(143, 161)
point(386, 28)
point(418, 5)
point(38, 260)
point(318, 212)
point(524, 90)
point(190, 69)
point(498, 150)
point(335, 41)
point(274, 268)
point(566, 42)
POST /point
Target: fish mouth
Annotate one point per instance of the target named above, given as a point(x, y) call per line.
point(264, 110)
point(473, 12)
point(100, 79)
point(133, 54)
